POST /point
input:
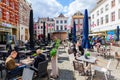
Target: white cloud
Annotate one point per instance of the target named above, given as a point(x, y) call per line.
point(51, 8)
point(80, 5)
point(45, 8)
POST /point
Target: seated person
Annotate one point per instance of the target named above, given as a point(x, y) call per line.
point(39, 58)
point(80, 48)
point(12, 65)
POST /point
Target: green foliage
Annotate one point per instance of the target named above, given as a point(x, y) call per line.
point(34, 54)
point(53, 52)
point(87, 54)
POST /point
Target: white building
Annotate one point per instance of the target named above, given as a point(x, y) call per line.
point(61, 23)
point(38, 26)
point(105, 17)
point(61, 27)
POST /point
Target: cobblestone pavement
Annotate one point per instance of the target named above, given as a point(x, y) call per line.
point(66, 71)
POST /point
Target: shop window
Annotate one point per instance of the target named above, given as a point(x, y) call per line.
point(0, 13)
point(113, 16)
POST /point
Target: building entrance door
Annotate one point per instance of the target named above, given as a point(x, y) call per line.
point(3, 37)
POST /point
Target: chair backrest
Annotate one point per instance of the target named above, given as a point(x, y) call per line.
point(78, 66)
point(42, 68)
point(108, 65)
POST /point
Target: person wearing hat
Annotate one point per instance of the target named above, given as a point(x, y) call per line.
point(39, 58)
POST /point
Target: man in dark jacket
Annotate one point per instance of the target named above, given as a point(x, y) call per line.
point(39, 58)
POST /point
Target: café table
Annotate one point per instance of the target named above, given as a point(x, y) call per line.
point(25, 51)
point(90, 59)
point(27, 61)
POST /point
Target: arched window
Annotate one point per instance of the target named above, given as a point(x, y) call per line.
point(7, 15)
point(7, 2)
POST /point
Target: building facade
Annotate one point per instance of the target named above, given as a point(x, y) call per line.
point(78, 18)
point(61, 23)
point(8, 19)
point(38, 27)
point(105, 17)
point(24, 12)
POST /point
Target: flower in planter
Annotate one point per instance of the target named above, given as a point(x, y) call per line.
point(53, 52)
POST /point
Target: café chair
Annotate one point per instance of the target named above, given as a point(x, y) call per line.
point(104, 70)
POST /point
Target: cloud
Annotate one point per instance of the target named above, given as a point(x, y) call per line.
point(80, 5)
point(45, 8)
point(52, 8)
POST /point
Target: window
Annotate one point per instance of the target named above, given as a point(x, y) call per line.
point(113, 16)
point(38, 27)
point(65, 21)
point(7, 2)
point(93, 16)
point(119, 14)
point(101, 20)
point(12, 4)
point(81, 21)
point(0, 0)
point(57, 21)
point(97, 13)
point(119, 1)
point(61, 27)
point(101, 10)
point(106, 19)
point(61, 21)
point(41, 27)
point(107, 7)
point(57, 27)
point(65, 27)
point(76, 21)
point(0, 13)
point(112, 3)
point(97, 22)
point(41, 21)
point(7, 15)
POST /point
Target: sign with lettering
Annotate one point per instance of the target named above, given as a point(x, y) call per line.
point(6, 24)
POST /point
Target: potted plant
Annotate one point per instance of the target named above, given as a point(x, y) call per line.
point(87, 54)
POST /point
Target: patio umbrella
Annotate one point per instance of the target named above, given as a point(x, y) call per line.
point(44, 31)
point(74, 38)
point(117, 33)
point(85, 40)
point(31, 29)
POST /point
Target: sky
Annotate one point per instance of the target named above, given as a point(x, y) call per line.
point(52, 8)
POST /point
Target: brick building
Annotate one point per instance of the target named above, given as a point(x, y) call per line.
point(8, 19)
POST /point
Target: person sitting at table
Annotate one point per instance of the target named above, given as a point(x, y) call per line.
point(12, 65)
point(80, 48)
point(39, 58)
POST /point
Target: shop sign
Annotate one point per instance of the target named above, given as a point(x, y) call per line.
point(110, 35)
point(6, 24)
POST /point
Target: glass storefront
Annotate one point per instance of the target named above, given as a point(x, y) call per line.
point(3, 37)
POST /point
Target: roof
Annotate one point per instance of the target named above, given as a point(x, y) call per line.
point(61, 15)
point(78, 14)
